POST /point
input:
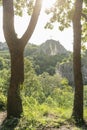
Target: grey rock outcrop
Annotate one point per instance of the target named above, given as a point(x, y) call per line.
point(66, 71)
point(52, 47)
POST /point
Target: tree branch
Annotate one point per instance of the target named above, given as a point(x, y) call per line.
point(34, 18)
point(8, 21)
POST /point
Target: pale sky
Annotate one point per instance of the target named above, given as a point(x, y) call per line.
point(40, 34)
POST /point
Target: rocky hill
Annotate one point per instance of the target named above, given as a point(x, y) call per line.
point(49, 48)
point(52, 47)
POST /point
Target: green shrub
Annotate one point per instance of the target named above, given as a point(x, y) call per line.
point(2, 102)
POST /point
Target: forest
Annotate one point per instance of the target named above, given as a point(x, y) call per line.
point(32, 95)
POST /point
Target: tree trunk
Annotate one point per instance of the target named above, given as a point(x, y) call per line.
point(14, 103)
point(78, 96)
point(16, 47)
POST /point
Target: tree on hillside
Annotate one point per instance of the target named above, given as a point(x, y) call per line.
point(16, 49)
point(64, 13)
point(78, 96)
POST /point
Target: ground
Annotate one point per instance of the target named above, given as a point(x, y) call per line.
point(2, 116)
point(63, 127)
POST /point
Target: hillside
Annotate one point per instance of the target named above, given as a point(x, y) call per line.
point(44, 56)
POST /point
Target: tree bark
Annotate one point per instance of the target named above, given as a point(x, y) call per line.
point(78, 96)
point(14, 103)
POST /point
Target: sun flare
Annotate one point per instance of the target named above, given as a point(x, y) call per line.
point(48, 3)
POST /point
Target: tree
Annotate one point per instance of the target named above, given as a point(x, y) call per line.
point(78, 96)
point(16, 49)
point(63, 12)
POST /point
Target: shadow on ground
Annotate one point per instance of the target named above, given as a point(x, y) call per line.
point(9, 124)
point(68, 125)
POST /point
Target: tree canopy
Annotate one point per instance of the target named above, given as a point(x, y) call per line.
point(62, 12)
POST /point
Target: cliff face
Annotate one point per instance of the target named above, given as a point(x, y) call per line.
point(66, 70)
point(52, 47)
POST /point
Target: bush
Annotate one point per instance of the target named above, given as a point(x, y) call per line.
point(2, 102)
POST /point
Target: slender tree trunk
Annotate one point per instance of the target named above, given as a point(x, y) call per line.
point(78, 96)
point(14, 103)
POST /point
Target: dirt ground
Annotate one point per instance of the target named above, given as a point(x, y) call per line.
point(2, 116)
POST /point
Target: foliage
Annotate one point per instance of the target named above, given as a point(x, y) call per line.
point(5, 73)
point(41, 115)
point(62, 12)
point(32, 86)
point(85, 96)
point(41, 62)
point(21, 4)
point(44, 63)
point(2, 101)
point(31, 50)
point(4, 62)
point(4, 80)
point(47, 99)
point(49, 83)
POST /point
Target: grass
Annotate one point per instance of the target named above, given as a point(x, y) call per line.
point(38, 116)
point(41, 117)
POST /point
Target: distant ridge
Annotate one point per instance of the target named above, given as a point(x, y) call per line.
point(50, 47)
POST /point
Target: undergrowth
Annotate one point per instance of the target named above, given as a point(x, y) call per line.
point(51, 113)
